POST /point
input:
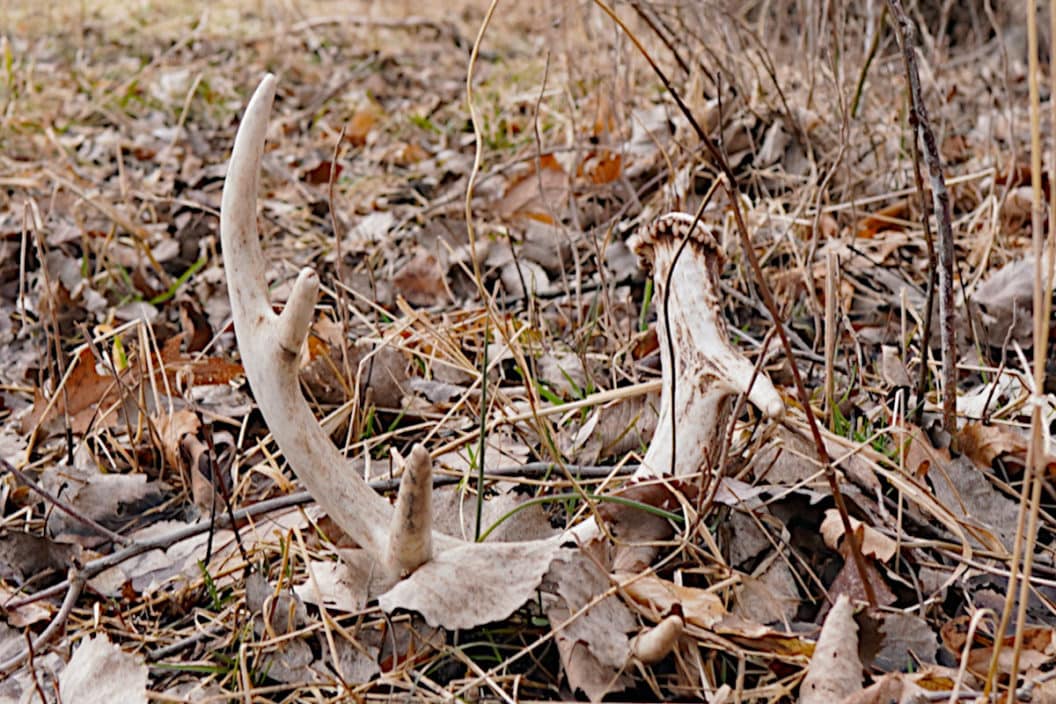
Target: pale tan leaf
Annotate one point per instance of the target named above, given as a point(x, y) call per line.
point(474, 583)
point(652, 645)
point(835, 672)
point(101, 673)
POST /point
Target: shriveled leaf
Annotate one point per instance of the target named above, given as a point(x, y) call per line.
point(985, 443)
point(835, 672)
point(657, 597)
point(172, 427)
point(871, 541)
point(537, 193)
point(100, 672)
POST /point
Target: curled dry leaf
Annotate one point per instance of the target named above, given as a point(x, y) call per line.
point(985, 443)
point(835, 671)
point(652, 645)
point(656, 598)
point(421, 280)
point(536, 194)
point(872, 542)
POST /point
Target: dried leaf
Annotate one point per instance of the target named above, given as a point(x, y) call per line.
point(908, 640)
point(537, 193)
point(892, 688)
point(849, 583)
point(100, 672)
point(320, 173)
point(770, 597)
point(872, 542)
point(985, 443)
point(362, 124)
point(658, 597)
point(988, 516)
point(1004, 303)
point(474, 584)
point(114, 500)
point(835, 671)
point(421, 280)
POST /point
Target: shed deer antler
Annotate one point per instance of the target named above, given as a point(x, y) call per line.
point(706, 370)
point(422, 568)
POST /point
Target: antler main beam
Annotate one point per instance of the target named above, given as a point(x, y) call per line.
point(271, 344)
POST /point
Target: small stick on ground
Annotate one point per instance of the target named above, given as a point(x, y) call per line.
point(941, 199)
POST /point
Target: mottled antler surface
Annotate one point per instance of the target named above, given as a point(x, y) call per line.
point(706, 370)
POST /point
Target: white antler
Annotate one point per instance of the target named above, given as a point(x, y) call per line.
point(706, 370)
point(424, 569)
point(494, 578)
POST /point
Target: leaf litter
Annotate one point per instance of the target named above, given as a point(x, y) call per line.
point(121, 394)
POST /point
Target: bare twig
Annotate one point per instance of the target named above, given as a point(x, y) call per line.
point(941, 200)
point(74, 583)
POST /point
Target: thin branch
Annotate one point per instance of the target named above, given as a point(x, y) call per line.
point(941, 200)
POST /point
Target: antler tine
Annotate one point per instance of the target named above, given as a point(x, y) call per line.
point(411, 537)
point(271, 345)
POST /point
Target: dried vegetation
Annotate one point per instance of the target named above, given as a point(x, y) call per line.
point(151, 529)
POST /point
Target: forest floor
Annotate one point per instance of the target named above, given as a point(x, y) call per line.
point(122, 396)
